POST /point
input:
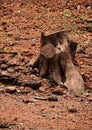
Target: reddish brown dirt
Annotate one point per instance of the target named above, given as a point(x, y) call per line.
point(21, 23)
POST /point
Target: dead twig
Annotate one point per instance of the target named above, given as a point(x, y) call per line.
point(5, 52)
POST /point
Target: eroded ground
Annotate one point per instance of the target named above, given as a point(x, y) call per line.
point(24, 96)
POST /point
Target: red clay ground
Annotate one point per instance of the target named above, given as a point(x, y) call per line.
point(21, 23)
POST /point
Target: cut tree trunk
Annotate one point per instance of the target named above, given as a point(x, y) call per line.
point(56, 60)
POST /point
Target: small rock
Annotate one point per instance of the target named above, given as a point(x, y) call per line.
point(53, 98)
point(33, 44)
point(52, 106)
point(3, 123)
point(4, 73)
point(1, 90)
point(90, 99)
point(78, 8)
point(7, 77)
point(42, 89)
point(3, 66)
point(58, 91)
point(19, 11)
point(4, 23)
point(33, 83)
point(13, 62)
point(10, 70)
point(89, 7)
point(34, 39)
point(10, 89)
point(88, 20)
point(26, 101)
point(72, 110)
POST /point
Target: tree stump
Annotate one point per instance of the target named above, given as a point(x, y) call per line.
point(56, 60)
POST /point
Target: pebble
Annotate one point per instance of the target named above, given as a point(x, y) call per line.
point(10, 70)
point(58, 91)
point(10, 89)
point(72, 110)
point(3, 66)
point(89, 7)
point(78, 8)
point(34, 39)
point(53, 98)
point(34, 83)
point(1, 90)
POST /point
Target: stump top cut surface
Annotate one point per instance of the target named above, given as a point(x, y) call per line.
point(48, 51)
